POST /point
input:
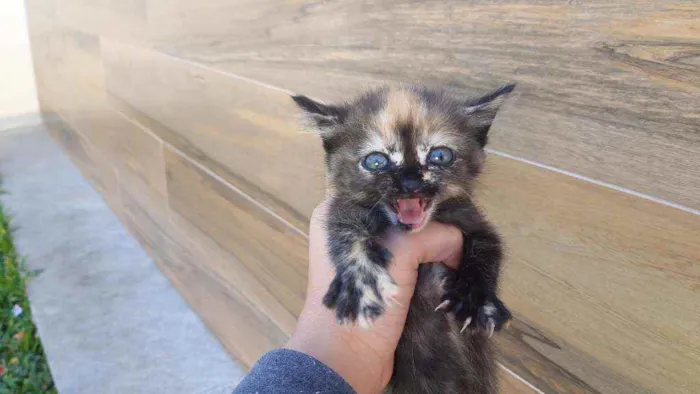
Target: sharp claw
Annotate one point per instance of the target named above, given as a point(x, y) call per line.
point(442, 305)
point(466, 323)
point(490, 327)
point(508, 323)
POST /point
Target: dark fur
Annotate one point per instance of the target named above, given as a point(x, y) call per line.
point(432, 356)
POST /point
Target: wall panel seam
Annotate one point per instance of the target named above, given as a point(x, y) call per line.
point(217, 177)
point(496, 152)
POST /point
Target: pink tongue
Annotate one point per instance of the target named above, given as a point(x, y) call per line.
point(410, 211)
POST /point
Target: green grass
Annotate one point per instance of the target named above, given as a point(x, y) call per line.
point(23, 366)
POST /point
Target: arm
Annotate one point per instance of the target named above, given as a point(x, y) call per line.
point(364, 358)
point(289, 371)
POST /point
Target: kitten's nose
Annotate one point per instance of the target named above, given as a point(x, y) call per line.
point(411, 183)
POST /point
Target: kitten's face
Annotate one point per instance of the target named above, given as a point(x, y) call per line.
point(405, 149)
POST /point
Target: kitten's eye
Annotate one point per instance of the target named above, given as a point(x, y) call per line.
point(440, 156)
point(375, 161)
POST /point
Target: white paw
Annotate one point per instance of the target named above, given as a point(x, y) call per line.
point(372, 306)
point(387, 288)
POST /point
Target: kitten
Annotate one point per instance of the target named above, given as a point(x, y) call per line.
point(402, 156)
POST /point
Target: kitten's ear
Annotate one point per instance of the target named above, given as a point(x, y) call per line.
point(482, 111)
point(320, 116)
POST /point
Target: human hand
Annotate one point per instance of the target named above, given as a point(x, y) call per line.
point(365, 357)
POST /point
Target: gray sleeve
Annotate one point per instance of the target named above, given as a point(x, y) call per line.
point(287, 371)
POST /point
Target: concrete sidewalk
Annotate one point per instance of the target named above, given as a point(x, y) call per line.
point(109, 321)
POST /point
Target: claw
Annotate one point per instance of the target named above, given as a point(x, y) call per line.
point(508, 323)
point(466, 323)
point(442, 305)
point(490, 327)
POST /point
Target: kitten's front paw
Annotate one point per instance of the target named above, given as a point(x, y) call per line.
point(474, 308)
point(360, 298)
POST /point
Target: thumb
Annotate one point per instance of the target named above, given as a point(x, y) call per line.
point(435, 243)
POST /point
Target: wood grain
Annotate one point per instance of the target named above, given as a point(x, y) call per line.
point(604, 285)
point(607, 89)
point(275, 253)
point(136, 155)
point(230, 126)
point(233, 273)
point(238, 323)
point(616, 271)
point(511, 385)
point(102, 175)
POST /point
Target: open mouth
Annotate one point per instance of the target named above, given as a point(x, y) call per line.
point(412, 211)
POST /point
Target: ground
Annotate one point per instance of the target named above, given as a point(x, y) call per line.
point(23, 366)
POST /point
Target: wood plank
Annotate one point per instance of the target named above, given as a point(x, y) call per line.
point(272, 251)
point(511, 385)
point(234, 274)
point(139, 179)
point(123, 19)
point(218, 120)
point(136, 153)
point(110, 139)
point(76, 67)
point(101, 174)
point(604, 92)
point(145, 208)
point(614, 275)
point(64, 60)
point(240, 326)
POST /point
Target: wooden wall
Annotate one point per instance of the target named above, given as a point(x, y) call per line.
point(178, 112)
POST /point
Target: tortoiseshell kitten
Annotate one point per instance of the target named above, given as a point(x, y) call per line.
point(402, 156)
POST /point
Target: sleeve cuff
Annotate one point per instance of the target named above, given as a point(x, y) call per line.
point(289, 371)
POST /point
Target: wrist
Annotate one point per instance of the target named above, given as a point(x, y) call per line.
point(341, 349)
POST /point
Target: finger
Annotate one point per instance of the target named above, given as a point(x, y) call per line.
point(321, 270)
point(437, 242)
point(319, 216)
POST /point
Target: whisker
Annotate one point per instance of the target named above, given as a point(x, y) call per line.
point(378, 201)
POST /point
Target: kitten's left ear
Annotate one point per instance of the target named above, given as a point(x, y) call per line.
point(482, 111)
point(321, 116)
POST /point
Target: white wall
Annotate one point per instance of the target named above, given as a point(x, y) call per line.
point(18, 100)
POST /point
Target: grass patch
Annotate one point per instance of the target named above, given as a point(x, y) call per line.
point(23, 366)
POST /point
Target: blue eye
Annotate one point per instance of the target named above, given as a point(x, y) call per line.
point(440, 156)
point(375, 161)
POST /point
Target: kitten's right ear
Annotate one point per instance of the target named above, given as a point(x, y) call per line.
point(322, 117)
point(482, 111)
